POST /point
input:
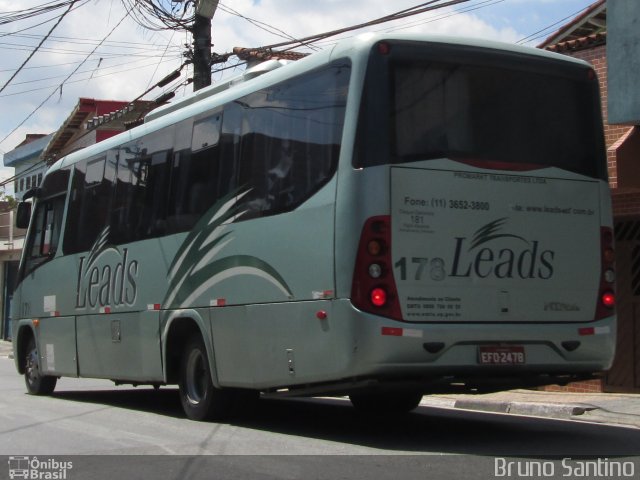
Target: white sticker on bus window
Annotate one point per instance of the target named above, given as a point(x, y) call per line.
point(50, 303)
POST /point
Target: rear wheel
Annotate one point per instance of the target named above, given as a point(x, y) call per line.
point(37, 383)
point(386, 402)
point(200, 399)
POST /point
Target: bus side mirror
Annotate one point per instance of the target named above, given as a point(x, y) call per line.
point(23, 214)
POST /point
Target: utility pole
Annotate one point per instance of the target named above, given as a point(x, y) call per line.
point(205, 10)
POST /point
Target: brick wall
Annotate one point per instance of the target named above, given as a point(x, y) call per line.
point(625, 203)
point(588, 386)
point(597, 56)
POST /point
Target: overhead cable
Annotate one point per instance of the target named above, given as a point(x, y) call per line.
point(424, 7)
point(44, 39)
point(536, 35)
point(59, 87)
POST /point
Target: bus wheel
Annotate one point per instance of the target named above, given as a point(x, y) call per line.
point(200, 399)
point(387, 402)
point(37, 384)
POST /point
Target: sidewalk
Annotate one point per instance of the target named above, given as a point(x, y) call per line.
point(611, 408)
point(6, 349)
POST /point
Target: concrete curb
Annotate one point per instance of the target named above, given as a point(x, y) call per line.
point(558, 411)
point(525, 408)
point(611, 418)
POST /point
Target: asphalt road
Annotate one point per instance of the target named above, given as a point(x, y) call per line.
point(284, 438)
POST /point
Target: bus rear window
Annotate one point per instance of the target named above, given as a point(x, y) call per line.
point(503, 112)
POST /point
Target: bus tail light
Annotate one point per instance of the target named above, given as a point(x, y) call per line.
point(609, 299)
point(379, 297)
point(374, 289)
point(606, 296)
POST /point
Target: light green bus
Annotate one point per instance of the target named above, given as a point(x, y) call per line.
point(391, 217)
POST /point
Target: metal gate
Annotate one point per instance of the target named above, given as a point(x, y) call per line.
point(624, 375)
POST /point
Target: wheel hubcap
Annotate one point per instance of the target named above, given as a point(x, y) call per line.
point(196, 378)
point(32, 366)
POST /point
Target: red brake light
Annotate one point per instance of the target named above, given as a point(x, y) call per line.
point(608, 299)
point(378, 297)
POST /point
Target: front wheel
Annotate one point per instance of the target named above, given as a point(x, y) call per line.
point(386, 402)
point(37, 383)
point(200, 399)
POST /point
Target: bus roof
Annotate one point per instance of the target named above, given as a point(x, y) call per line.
point(263, 75)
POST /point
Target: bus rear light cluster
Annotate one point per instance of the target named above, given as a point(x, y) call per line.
point(607, 296)
point(374, 289)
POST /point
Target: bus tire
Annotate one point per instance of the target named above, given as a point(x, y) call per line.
point(200, 399)
point(37, 384)
point(386, 402)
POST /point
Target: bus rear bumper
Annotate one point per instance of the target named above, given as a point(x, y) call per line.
point(447, 357)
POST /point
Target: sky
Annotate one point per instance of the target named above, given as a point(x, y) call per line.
point(131, 58)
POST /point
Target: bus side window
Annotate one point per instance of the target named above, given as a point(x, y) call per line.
point(139, 207)
point(288, 156)
point(89, 204)
point(198, 175)
point(42, 244)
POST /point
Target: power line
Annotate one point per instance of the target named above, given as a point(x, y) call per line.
point(82, 41)
point(262, 25)
point(291, 41)
point(439, 16)
point(469, 8)
point(64, 51)
point(163, 82)
point(421, 8)
point(64, 81)
point(532, 37)
point(38, 47)
point(145, 11)
point(53, 65)
point(17, 15)
point(23, 46)
point(161, 59)
point(30, 169)
point(37, 24)
point(39, 89)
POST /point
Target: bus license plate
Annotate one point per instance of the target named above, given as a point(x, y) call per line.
point(511, 355)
